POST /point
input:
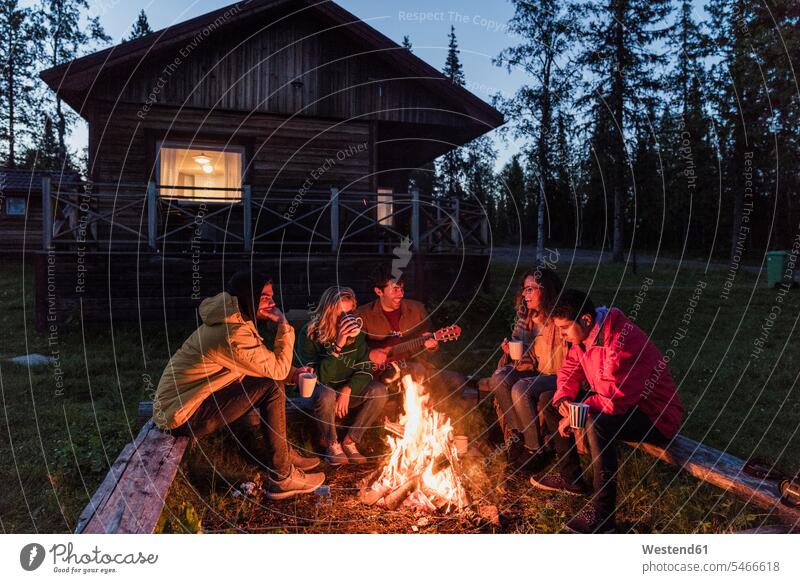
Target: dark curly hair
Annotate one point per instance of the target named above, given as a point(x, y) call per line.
point(551, 288)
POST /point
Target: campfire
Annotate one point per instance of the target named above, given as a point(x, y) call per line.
point(422, 471)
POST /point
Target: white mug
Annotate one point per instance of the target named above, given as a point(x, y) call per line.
point(308, 380)
point(515, 349)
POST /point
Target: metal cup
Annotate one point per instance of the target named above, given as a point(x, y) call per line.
point(578, 412)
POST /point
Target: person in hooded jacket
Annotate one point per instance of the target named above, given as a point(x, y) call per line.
point(224, 373)
point(631, 397)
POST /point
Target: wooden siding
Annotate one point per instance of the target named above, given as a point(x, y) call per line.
point(294, 66)
point(279, 152)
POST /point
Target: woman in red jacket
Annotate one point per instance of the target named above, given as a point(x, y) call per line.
point(631, 397)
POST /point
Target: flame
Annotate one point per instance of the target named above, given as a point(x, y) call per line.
point(427, 438)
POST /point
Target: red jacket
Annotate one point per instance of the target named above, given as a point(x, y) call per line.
point(624, 369)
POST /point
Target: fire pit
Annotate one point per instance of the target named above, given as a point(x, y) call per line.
point(422, 471)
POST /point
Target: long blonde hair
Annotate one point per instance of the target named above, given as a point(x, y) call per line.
point(324, 317)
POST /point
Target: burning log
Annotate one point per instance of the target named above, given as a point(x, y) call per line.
point(422, 470)
point(394, 498)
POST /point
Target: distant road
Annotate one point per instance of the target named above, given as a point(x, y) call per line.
point(527, 256)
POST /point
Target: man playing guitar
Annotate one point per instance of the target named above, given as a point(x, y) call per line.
point(399, 331)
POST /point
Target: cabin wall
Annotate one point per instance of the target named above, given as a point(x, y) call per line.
point(171, 289)
point(296, 66)
point(279, 152)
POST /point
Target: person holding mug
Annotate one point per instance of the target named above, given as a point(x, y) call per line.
point(334, 345)
point(224, 373)
point(525, 378)
point(632, 397)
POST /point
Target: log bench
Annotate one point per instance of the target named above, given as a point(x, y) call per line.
point(724, 471)
point(131, 497)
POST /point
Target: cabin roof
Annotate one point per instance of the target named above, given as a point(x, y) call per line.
point(72, 80)
point(20, 180)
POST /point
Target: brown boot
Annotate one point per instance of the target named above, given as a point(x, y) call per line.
point(298, 482)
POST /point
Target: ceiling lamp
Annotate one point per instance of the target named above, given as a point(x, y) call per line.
point(208, 168)
point(202, 159)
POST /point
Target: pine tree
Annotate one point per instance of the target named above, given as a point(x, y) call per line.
point(67, 35)
point(686, 154)
point(19, 40)
point(548, 33)
point(450, 167)
point(452, 66)
point(619, 54)
point(141, 27)
point(508, 201)
point(44, 153)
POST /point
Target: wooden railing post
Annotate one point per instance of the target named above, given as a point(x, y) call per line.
point(247, 235)
point(455, 234)
point(415, 241)
point(334, 219)
point(47, 214)
point(152, 215)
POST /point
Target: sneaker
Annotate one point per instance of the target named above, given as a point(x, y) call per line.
point(297, 482)
point(353, 455)
point(335, 454)
point(301, 462)
point(555, 482)
point(589, 520)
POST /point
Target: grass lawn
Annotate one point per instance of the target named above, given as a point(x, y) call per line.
point(62, 431)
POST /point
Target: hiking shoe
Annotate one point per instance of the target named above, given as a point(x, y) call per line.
point(335, 455)
point(353, 455)
point(589, 520)
point(555, 482)
point(297, 482)
point(301, 462)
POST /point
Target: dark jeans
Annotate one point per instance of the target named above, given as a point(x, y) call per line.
point(602, 433)
point(366, 408)
point(258, 399)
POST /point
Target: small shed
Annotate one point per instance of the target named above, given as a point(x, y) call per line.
point(21, 207)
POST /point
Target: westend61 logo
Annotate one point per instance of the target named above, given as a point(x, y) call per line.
point(66, 560)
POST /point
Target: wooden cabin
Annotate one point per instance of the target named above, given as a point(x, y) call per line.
point(21, 207)
point(274, 133)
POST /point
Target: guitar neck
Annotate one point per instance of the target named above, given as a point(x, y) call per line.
point(406, 346)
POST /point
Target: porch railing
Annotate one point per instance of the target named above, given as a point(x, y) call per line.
point(132, 216)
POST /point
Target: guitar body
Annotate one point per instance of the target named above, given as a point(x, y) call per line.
point(391, 372)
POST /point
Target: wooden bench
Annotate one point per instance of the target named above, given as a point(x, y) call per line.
point(131, 497)
point(724, 471)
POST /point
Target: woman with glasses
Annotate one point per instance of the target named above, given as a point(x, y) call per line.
point(521, 388)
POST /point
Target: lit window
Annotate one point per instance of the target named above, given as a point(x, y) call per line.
point(199, 168)
point(385, 207)
point(16, 206)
